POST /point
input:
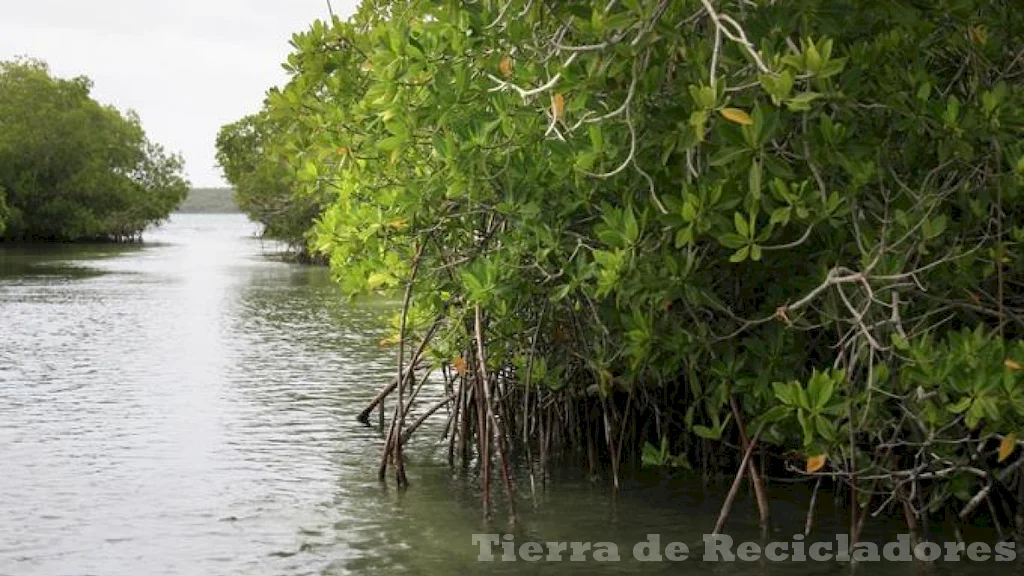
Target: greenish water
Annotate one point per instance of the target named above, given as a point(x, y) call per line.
point(186, 407)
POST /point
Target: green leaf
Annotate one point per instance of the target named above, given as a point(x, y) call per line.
point(802, 398)
point(952, 113)
point(378, 279)
point(684, 236)
point(699, 122)
point(785, 393)
point(734, 241)
point(825, 428)
point(689, 211)
point(390, 143)
point(741, 225)
point(781, 215)
point(824, 392)
point(974, 415)
point(632, 228)
point(585, 160)
point(727, 156)
point(776, 414)
point(924, 91)
point(935, 227)
point(703, 96)
point(812, 58)
point(308, 172)
point(806, 426)
point(899, 341)
point(596, 138)
point(755, 253)
point(397, 128)
point(708, 433)
point(650, 455)
point(740, 255)
point(754, 180)
point(779, 86)
point(802, 102)
point(961, 406)
point(990, 407)
point(561, 292)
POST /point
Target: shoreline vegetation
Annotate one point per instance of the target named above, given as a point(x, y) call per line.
point(209, 201)
point(749, 240)
point(72, 169)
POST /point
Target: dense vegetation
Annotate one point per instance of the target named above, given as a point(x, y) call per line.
point(73, 169)
point(265, 188)
point(683, 233)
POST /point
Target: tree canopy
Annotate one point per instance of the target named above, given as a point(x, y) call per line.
point(71, 168)
point(259, 174)
point(681, 223)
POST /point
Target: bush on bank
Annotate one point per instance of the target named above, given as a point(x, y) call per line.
point(73, 169)
point(710, 226)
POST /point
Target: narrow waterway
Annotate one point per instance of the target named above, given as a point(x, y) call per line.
point(186, 407)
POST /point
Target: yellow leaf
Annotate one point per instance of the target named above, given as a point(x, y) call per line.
point(399, 224)
point(342, 151)
point(391, 340)
point(505, 66)
point(1012, 364)
point(1007, 446)
point(460, 365)
point(736, 115)
point(558, 106)
point(815, 463)
point(978, 35)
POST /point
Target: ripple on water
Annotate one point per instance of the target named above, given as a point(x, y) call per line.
point(186, 407)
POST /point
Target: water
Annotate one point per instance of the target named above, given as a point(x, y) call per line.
point(187, 407)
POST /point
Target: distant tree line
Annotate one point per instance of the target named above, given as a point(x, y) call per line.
point(209, 201)
point(74, 169)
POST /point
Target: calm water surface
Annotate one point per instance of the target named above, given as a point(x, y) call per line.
point(186, 407)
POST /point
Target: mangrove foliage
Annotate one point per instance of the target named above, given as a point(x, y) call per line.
point(755, 239)
point(74, 169)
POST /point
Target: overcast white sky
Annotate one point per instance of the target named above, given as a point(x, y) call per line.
point(186, 66)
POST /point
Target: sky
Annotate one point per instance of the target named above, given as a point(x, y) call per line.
point(187, 67)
